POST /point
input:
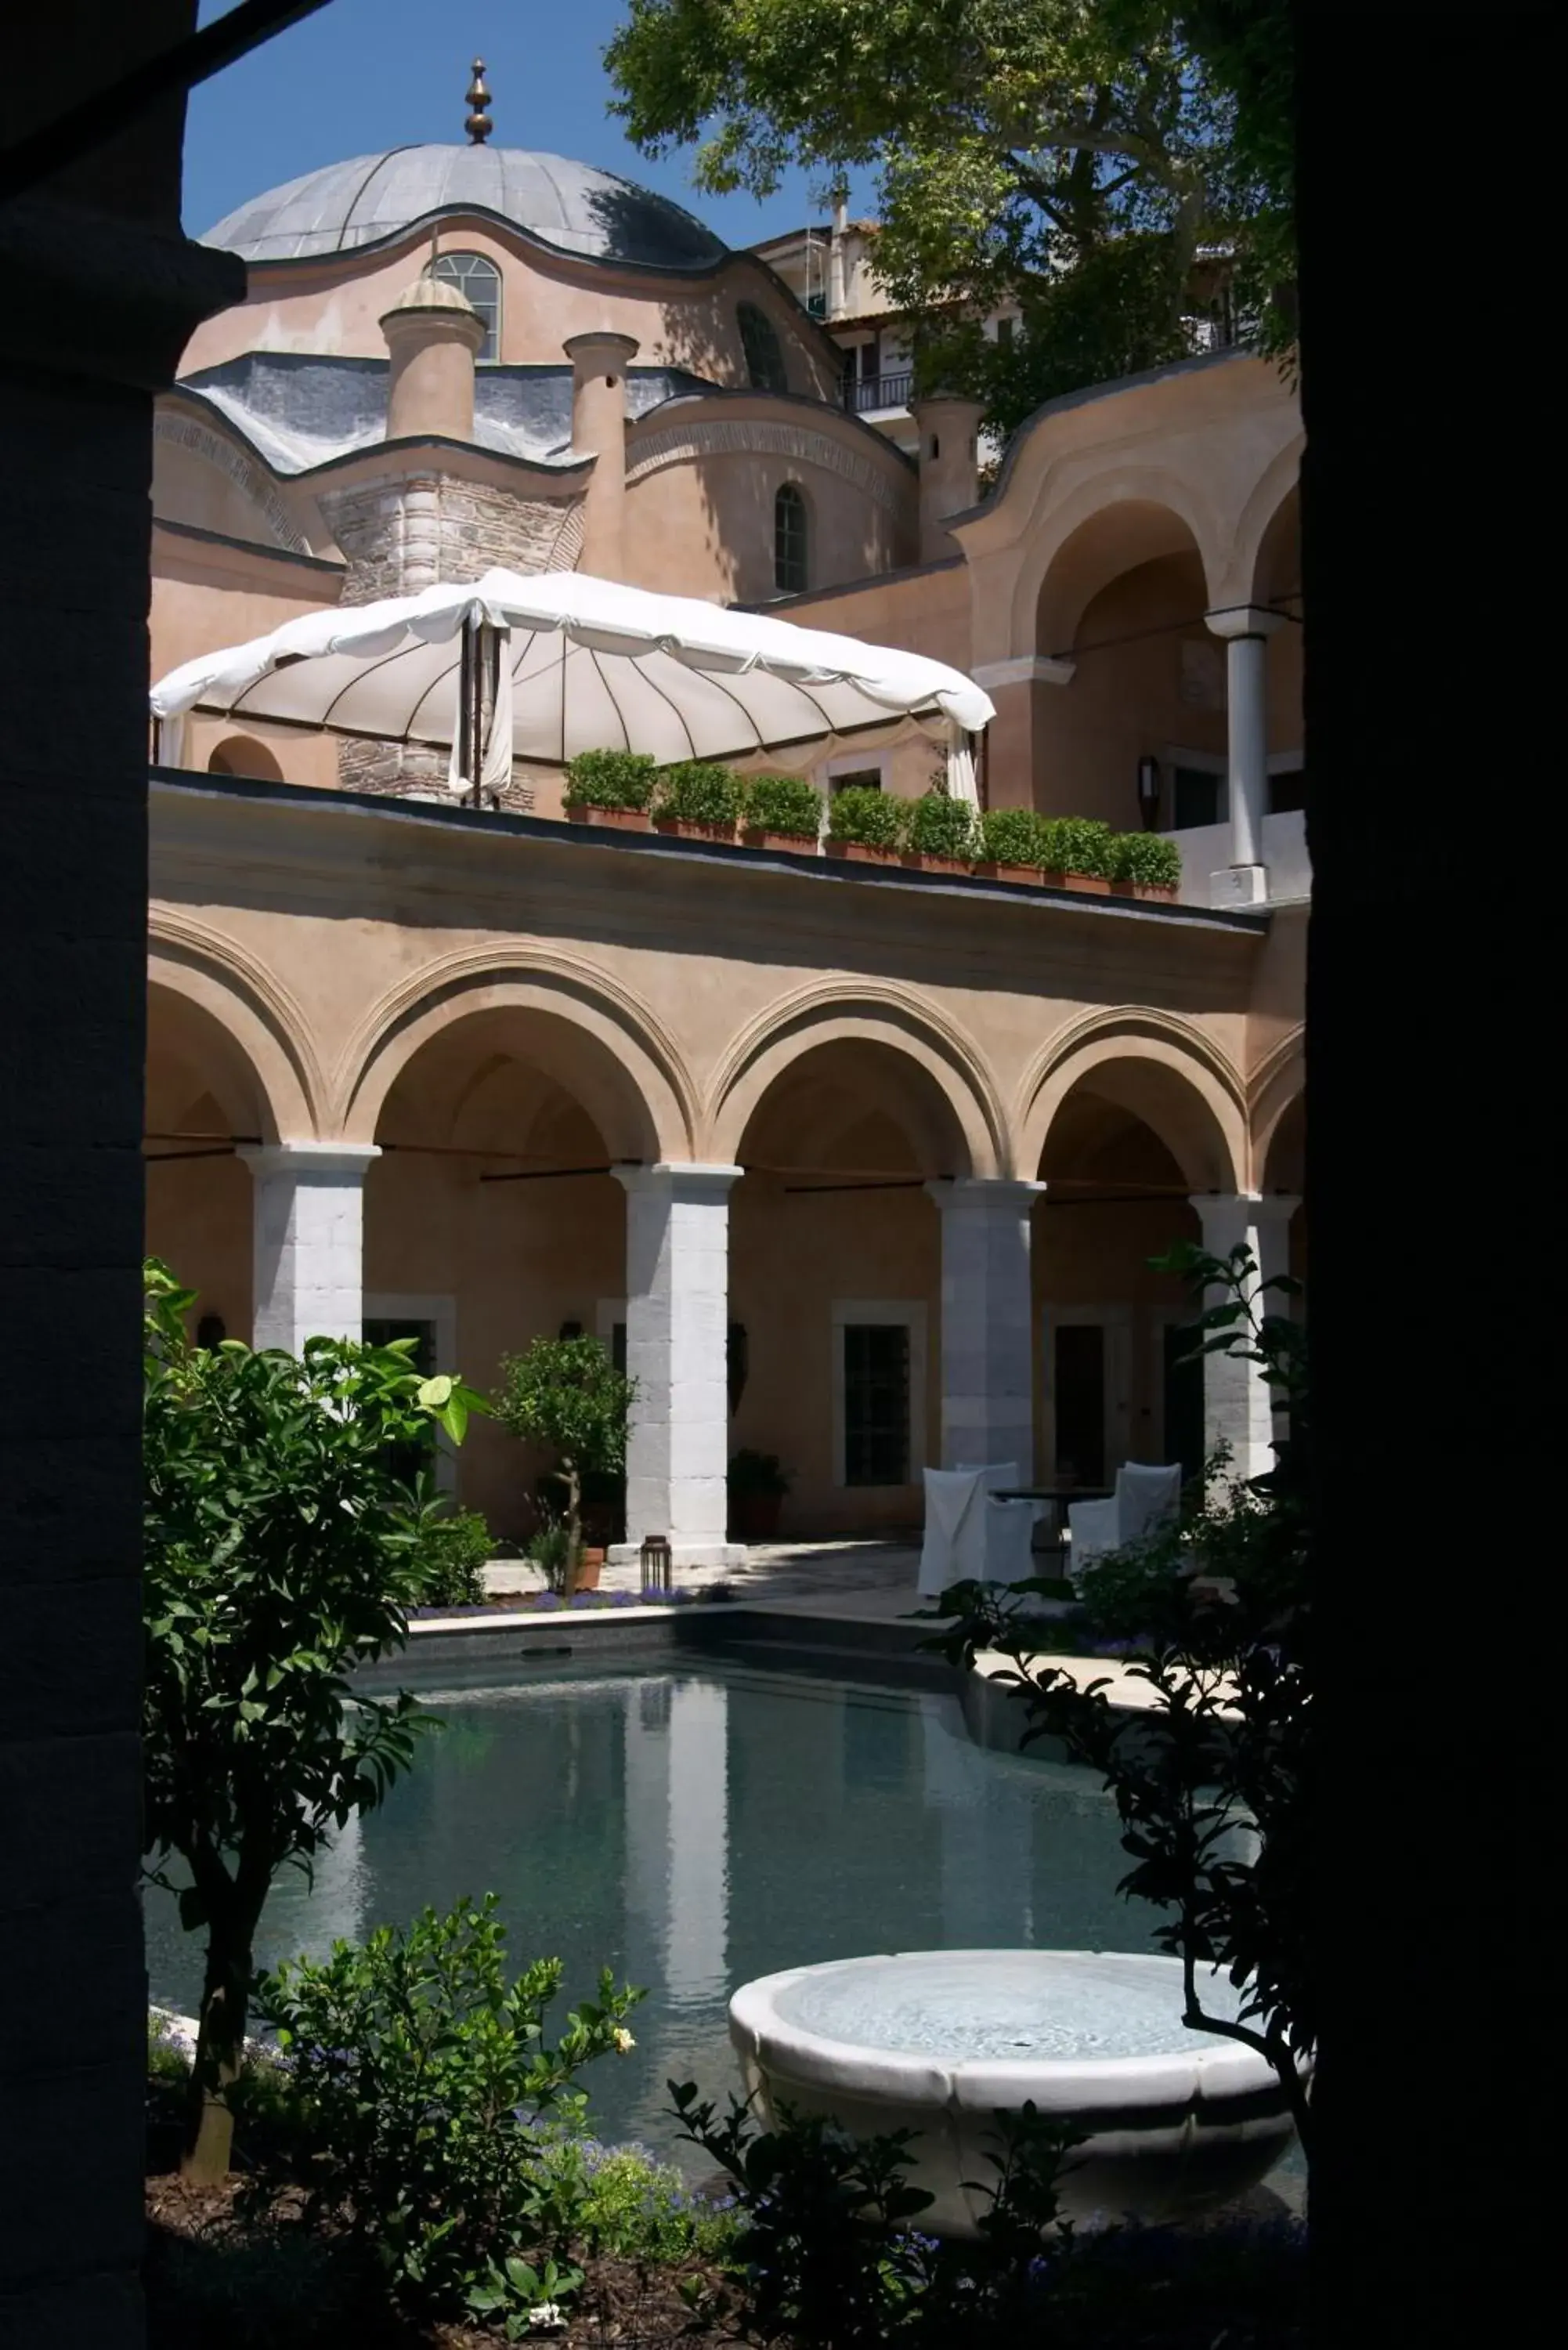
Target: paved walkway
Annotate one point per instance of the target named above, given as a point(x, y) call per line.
point(873, 1581)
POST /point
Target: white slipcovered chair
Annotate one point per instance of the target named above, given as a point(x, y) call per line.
point(1145, 1497)
point(972, 1538)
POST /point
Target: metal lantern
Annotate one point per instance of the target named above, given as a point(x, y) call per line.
point(655, 1560)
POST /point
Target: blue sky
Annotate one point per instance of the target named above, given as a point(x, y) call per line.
point(367, 74)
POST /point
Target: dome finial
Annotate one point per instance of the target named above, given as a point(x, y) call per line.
point(479, 124)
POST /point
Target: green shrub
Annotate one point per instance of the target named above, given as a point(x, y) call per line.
point(698, 791)
point(787, 804)
point(940, 826)
point(1147, 857)
point(1077, 844)
point(756, 1472)
point(449, 1555)
point(632, 2207)
point(611, 779)
point(550, 1550)
point(423, 2077)
point(1012, 837)
point(871, 819)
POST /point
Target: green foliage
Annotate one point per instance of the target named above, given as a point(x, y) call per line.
point(1145, 858)
point(1227, 1749)
point(756, 1472)
point(1019, 146)
point(450, 1556)
point(698, 791)
point(1012, 837)
point(566, 1393)
point(871, 818)
point(825, 2256)
point(940, 826)
point(423, 2075)
point(611, 779)
point(1077, 844)
point(786, 804)
point(550, 1548)
point(280, 1548)
point(631, 2206)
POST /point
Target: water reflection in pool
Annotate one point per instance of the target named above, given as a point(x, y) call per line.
point(694, 1826)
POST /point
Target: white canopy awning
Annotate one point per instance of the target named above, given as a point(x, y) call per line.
point(585, 665)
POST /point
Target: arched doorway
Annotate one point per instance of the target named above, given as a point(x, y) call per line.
point(205, 1103)
point(491, 1218)
point(836, 1280)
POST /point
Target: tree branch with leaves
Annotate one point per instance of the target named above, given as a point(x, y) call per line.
point(282, 1547)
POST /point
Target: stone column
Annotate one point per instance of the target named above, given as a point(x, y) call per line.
point(949, 431)
point(308, 1241)
point(433, 334)
point(988, 1347)
point(599, 362)
point(677, 1330)
point(1237, 1407)
point(1246, 632)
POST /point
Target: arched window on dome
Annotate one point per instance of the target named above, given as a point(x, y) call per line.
point(792, 540)
point(760, 342)
point(479, 281)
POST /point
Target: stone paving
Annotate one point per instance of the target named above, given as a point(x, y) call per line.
point(872, 1579)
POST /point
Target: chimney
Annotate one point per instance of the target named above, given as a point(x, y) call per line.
point(599, 362)
point(837, 295)
point(434, 335)
point(949, 427)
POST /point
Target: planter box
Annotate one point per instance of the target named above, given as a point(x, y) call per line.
point(754, 1517)
point(684, 827)
point(922, 861)
point(861, 852)
point(798, 844)
point(989, 870)
point(1165, 892)
point(1088, 885)
point(618, 819)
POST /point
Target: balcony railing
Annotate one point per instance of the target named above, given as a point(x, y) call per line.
point(864, 394)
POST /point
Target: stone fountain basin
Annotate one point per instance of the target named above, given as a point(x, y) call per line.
point(939, 2041)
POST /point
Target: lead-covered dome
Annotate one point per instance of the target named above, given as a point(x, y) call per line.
point(570, 207)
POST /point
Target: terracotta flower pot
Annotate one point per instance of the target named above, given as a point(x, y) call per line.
point(755, 1516)
point(990, 871)
point(618, 819)
point(590, 1566)
point(861, 852)
point(1124, 889)
point(1088, 885)
point(1163, 891)
point(798, 844)
point(685, 828)
point(923, 860)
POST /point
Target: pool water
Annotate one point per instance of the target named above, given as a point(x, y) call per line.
point(692, 1827)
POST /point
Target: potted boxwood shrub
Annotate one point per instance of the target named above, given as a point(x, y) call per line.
point(757, 1486)
point(1076, 852)
point(1145, 865)
point(781, 812)
point(1010, 845)
point(697, 799)
point(866, 825)
point(940, 834)
point(611, 787)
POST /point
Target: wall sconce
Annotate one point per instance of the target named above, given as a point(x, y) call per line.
point(1148, 793)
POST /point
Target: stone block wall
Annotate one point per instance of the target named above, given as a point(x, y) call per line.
point(409, 532)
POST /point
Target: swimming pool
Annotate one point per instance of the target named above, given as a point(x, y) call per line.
point(693, 1824)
